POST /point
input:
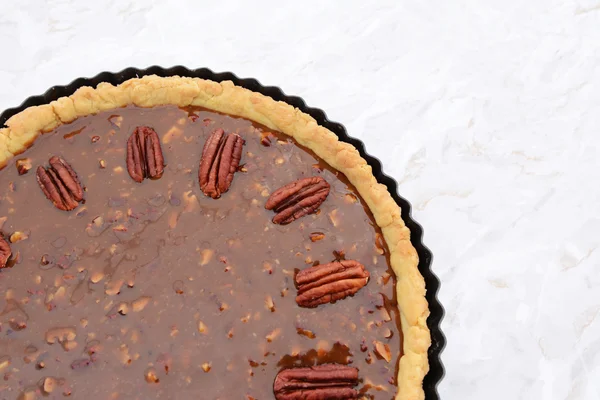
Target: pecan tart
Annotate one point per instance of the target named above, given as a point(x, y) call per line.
point(182, 238)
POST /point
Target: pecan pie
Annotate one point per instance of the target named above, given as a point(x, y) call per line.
point(179, 238)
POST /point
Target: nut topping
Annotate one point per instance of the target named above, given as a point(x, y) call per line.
point(221, 157)
point(327, 283)
point(5, 252)
point(60, 184)
point(23, 165)
point(322, 382)
point(297, 199)
point(144, 155)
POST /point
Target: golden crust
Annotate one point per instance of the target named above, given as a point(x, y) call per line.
point(22, 129)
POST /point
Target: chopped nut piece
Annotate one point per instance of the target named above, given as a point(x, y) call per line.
point(202, 327)
point(173, 133)
point(385, 314)
point(178, 287)
point(68, 346)
point(23, 165)
point(334, 217)
point(234, 243)
point(267, 267)
point(17, 325)
point(316, 236)
point(28, 395)
point(383, 350)
point(306, 332)
point(173, 219)
point(265, 141)
point(174, 331)
point(206, 367)
point(350, 198)
point(140, 303)
point(4, 362)
point(191, 203)
point(18, 236)
point(269, 303)
point(379, 243)
point(113, 287)
point(150, 375)
point(339, 255)
point(363, 345)
point(273, 335)
point(386, 278)
point(96, 276)
point(123, 308)
point(49, 384)
point(265, 138)
point(115, 120)
point(61, 335)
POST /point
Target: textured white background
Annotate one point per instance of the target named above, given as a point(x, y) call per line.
point(486, 112)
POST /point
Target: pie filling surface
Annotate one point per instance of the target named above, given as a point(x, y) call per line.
point(170, 278)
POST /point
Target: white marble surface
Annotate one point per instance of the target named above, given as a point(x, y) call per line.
point(487, 112)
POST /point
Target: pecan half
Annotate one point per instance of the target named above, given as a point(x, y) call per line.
point(327, 283)
point(321, 382)
point(221, 157)
point(144, 155)
point(5, 252)
point(298, 198)
point(60, 184)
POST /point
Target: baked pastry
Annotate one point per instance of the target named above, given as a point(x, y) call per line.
point(182, 238)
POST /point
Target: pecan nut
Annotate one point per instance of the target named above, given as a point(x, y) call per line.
point(60, 184)
point(5, 252)
point(321, 382)
point(221, 157)
point(327, 283)
point(144, 155)
point(297, 199)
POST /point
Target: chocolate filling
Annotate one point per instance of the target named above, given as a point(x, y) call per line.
point(153, 290)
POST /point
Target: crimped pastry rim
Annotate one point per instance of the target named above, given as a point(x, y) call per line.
point(23, 128)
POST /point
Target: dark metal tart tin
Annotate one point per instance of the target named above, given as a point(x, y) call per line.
point(438, 341)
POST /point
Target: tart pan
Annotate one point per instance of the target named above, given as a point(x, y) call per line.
point(432, 283)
